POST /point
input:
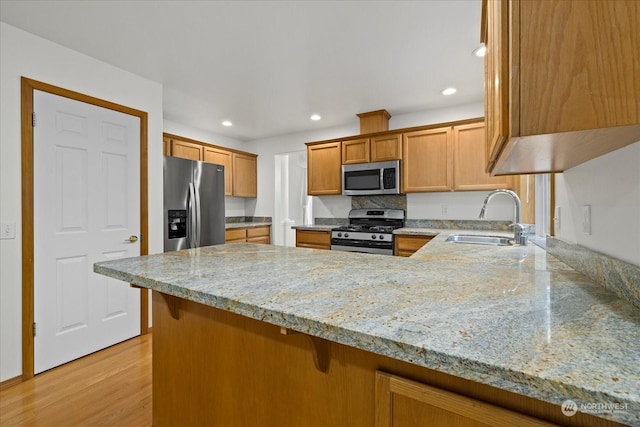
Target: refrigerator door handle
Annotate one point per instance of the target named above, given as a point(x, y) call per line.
point(191, 220)
point(198, 216)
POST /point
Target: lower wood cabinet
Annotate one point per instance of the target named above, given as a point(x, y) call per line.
point(260, 234)
point(316, 239)
point(404, 403)
point(407, 244)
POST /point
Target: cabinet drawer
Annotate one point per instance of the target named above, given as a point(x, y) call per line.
point(258, 232)
point(313, 239)
point(235, 235)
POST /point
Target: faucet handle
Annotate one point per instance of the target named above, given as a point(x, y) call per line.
point(519, 235)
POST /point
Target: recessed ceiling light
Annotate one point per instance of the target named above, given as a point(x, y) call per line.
point(315, 117)
point(480, 51)
point(449, 91)
point(227, 123)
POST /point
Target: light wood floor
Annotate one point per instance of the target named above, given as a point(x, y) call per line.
point(109, 388)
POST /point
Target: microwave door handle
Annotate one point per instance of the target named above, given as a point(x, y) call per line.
point(381, 179)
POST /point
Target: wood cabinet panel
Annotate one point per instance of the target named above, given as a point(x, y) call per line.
point(224, 158)
point(274, 374)
point(561, 87)
point(401, 402)
point(259, 235)
point(186, 150)
point(166, 146)
point(240, 168)
point(249, 235)
point(355, 151)
point(235, 235)
point(469, 161)
point(428, 161)
point(324, 169)
point(386, 147)
point(313, 239)
point(407, 244)
point(245, 175)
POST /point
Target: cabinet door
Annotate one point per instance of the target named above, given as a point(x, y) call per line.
point(404, 403)
point(313, 239)
point(469, 161)
point(186, 150)
point(324, 174)
point(355, 151)
point(386, 147)
point(428, 161)
point(496, 79)
point(245, 175)
point(221, 157)
point(407, 245)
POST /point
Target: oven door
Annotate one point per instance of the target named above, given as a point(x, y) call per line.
point(362, 246)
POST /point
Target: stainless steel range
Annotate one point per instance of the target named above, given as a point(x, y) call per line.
point(369, 231)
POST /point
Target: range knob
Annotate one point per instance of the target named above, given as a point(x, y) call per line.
point(346, 235)
point(373, 236)
point(381, 237)
point(339, 234)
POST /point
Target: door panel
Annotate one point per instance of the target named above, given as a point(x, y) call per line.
point(86, 205)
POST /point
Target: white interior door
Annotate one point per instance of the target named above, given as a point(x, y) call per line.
point(86, 206)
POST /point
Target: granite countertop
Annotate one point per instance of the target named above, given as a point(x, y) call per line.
point(511, 317)
point(245, 224)
point(314, 227)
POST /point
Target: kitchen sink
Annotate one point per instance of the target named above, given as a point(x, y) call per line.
point(477, 239)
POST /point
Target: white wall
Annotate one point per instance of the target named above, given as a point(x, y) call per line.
point(234, 206)
point(610, 184)
point(23, 54)
point(465, 205)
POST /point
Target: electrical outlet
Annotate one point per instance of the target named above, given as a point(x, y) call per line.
point(445, 210)
point(7, 230)
point(586, 219)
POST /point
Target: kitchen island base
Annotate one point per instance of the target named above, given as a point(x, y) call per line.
point(215, 368)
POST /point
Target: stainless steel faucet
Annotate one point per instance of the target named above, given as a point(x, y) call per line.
point(519, 235)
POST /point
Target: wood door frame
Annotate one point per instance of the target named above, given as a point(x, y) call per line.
point(27, 86)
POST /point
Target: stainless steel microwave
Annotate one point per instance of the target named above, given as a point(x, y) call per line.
point(364, 179)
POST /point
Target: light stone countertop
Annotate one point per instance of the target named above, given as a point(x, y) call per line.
point(229, 225)
point(511, 317)
point(314, 227)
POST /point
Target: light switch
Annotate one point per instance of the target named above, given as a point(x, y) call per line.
point(586, 219)
point(7, 230)
point(556, 218)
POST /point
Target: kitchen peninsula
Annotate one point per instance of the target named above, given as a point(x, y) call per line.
point(248, 334)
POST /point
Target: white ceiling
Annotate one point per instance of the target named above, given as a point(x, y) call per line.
point(268, 65)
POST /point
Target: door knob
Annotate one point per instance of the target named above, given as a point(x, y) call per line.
point(132, 239)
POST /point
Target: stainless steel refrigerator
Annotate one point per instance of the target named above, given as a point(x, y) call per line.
point(193, 204)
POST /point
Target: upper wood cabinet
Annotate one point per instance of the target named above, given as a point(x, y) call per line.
point(469, 161)
point(386, 147)
point(245, 175)
point(324, 170)
point(356, 151)
point(561, 82)
point(224, 158)
point(240, 168)
point(427, 161)
point(186, 150)
point(379, 148)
